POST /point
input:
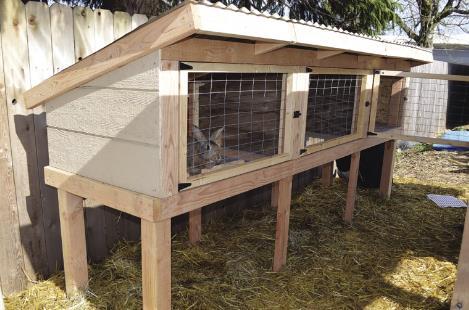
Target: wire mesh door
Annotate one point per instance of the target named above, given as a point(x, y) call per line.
point(232, 119)
point(333, 109)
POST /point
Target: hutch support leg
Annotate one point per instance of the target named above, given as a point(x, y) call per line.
point(387, 169)
point(156, 264)
point(274, 195)
point(195, 226)
point(460, 298)
point(352, 187)
point(283, 217)
point(326, 174)
point(72, 227)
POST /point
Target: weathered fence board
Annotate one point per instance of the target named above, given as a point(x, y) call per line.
point(122, 24)
point(11, 260)
point(61, 18)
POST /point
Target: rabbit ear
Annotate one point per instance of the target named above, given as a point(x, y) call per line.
point(198, 134)
point(217, 136)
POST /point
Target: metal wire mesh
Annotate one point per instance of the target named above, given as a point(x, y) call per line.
point(332, 107)
point(233, 118)
point(425, 107)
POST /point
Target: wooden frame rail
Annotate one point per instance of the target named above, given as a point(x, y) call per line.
point(394, 134)
point(420, 75)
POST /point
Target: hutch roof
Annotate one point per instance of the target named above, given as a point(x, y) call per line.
point(215, 19)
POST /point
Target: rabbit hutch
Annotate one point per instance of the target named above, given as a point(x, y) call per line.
point(201, 104)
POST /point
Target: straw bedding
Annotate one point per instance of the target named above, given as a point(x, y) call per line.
point(398, 254)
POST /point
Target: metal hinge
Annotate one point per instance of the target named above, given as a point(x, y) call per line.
point(296, 114)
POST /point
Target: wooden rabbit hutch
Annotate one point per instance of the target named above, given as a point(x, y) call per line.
point(201, 104)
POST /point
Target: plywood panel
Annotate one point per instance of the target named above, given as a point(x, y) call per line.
point(11, 261)
point(123, 114)
point(63, 50)
point(133, 166)
point(22, 130)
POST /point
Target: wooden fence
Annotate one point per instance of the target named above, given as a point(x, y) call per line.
point(36, 42)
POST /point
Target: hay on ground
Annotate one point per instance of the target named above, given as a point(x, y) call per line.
point(398, 254)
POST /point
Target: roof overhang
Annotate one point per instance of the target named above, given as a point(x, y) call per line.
point(217, 20)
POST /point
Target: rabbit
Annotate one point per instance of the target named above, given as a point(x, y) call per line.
point(205, 153)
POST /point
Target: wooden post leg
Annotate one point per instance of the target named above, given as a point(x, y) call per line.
point(460, 298)
point(387, 169)
point(195, 226)
point(326, 174)
point(274, 195)
point(283, 218)
point(156, 264)
point(352, 187)
point(72, 227)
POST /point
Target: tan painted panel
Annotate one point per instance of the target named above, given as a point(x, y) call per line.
point(123, 114)
point(125, 164)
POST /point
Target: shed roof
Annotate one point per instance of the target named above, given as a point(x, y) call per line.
point(216, 19)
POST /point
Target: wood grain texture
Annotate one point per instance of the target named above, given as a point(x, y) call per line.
point(195, 226)
point(63, 50)
point(11, 262)
point(326, 174)
point(107, 160)
point(156, 264)
point(385, 184)
point(122, 24)
point(72, 225)
point(23, 136)
point(136, 204)
point(283, 220)
point(352, 188)
point(206, 50)
point(460, 298)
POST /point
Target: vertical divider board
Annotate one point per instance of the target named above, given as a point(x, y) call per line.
point(11, 261)
point(41, 68)
point(183, 106)
point(374, 102)
point(297, 100)
point(22, 131)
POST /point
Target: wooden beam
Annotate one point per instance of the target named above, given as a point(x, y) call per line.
point(326, 174)
point(323, 54)
point(207, 50)
point(374, 102)
point(127, 201)
point(203, 195)
point(195, 226)
point(352, 187)
point(274, 195)
point(460, 298)
point(265, 47)
point(283, 220)
point(420, 75)
point(387, 169)
point(395, 102)
point(156, 264)
point(72, 227)
point(159, 33)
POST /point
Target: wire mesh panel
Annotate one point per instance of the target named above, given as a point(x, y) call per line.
point(233, 118)
point(416, 107)
point(332, 110)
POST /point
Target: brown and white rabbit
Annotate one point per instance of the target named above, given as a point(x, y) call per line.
point(205, 153)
